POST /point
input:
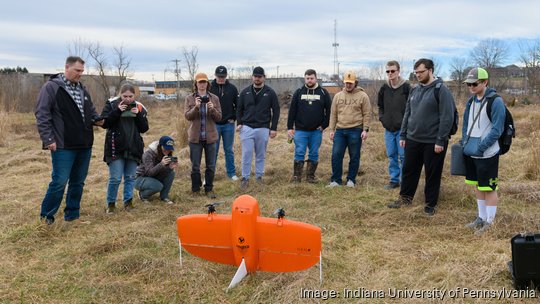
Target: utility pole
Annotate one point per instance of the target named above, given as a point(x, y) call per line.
point(277, 71)
point(335, 45)
point(177, 74)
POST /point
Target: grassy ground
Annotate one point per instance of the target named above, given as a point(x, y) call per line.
point(133, 257)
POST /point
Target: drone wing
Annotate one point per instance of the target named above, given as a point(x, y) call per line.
point(205, 238)
point(287, 245)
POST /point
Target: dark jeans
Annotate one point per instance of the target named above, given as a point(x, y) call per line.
point(195, 154)
point(68, 167)
point(148, 186)
point(417, 155)
point(350, 139)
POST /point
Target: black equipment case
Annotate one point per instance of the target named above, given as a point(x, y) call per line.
point(525, 265)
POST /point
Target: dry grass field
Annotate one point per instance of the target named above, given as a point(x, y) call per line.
point(132, 257)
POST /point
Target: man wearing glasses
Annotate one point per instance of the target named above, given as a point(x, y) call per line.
point(392, 99)
point(425, 131)
point(483, 124)
point(257, 115)
point(228, 97)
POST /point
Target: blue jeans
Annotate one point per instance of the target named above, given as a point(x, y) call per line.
point(304, 140)
point(226, 131)
point(396, 155)
point(350, 139)
point(68, 167)
point(117, 169)
point(253, 140)
point(195, 154)
point(149, 186)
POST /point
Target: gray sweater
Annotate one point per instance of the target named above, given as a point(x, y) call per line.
point(426, 120)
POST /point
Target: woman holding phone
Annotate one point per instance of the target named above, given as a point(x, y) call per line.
point(125, 120)
point(202, 110)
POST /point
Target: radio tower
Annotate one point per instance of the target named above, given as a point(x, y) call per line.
point(335, 45)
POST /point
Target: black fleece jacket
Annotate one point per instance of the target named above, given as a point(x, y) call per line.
point(228, 98)
point(310, 109)
point(391, 103)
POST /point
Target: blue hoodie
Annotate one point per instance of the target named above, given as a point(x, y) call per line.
point(483, 141)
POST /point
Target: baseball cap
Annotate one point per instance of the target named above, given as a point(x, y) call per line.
point(476, 74)
point(258, 71)
point(349, 77)
point(167, 143)
point(201, 77)
point(221, 71)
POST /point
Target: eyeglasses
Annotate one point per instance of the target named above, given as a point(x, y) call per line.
point(420, 72)
point(390, 71)
point(474, 84)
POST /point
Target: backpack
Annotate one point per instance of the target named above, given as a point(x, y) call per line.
point(455, 125)
point(509, 130)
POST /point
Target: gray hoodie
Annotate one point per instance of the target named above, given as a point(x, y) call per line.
point(426, 120)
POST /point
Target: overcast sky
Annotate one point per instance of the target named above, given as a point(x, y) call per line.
point(294, 35)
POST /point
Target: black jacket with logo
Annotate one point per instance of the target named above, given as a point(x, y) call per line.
point(310, 109)
point(258, 110)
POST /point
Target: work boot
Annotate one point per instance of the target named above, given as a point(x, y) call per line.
point(401, 201)
point(310, 171)
point(298, 168)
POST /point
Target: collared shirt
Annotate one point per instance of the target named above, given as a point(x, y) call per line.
point(203, 110)
point(74, 90)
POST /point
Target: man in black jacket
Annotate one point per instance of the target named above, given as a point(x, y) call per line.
point(392, 99)
point(257, 114)
point(228, 98)
point(65, 116)
point(309, 114)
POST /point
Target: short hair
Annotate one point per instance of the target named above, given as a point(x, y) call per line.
point(428, 63)
point(393, 63)
point(127, 87)
point(72, 59)
point(195, 89)
point(310, 72)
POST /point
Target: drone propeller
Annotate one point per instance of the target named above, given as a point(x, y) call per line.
point(280, 213)
point(212, 207)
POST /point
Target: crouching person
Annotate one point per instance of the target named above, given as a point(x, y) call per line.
point(156, 172)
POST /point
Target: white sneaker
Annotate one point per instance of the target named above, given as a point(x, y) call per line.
point(350, 184)
point(203, 182)
point(234, 178)
point(332, 185)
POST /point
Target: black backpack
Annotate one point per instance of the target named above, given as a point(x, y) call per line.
point(509, 130)
point(455, 125)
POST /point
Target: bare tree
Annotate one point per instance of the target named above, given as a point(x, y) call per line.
point(530, 57)
point(78, 47)
point(191, 60)
point(458, 72)
point(121, 65)
point(96, 52)
point(490, 53)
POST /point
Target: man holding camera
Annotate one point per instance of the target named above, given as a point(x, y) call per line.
point(257, 114)
point(203, 110)
point(65, 115)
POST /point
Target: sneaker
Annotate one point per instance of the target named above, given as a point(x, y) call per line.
point(391, 186)
point(244, 183)
point(401, 201)
point(259, 179)
point(111, 208)
point(333, 185)
point(429, 210)
point(210, 194)
point(350, 184)
point(128, 205)
point(167, 201)
point(234, 178)
point(47, 220)
point(482, 229)
point(477, 223)
point(142, 199)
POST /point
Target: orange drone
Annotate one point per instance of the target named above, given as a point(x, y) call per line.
point(247, 240)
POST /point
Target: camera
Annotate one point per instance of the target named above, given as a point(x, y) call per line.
point(174, 159)
point(204, 99)
point(131, 105)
